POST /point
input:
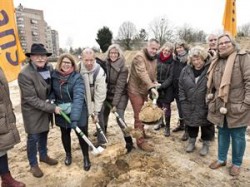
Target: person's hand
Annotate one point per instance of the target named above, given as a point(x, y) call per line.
point(58, 110)
point(154, 93)
point(157, 85)
point(113, 109)
point(95, 118)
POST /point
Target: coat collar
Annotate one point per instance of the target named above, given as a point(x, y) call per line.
point(118, 64)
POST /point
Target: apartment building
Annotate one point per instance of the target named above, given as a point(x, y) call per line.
point(33, 28)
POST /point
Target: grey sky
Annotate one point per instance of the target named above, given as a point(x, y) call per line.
point(80, 19)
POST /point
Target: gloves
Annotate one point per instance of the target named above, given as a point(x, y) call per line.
point(113, 109)
point(73, 124)
point(154, 93)
point(95, 117)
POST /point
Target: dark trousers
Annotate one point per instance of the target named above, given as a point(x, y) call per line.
point(178, 104)
point(4, 166)
point(66, 139)
point(106, 112)
point(36, 142)
point(206, 132)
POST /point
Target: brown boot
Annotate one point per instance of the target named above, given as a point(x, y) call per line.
point(49, 161)
point(36, 171)
point(145, 146)
point(234, 170)
point(8, 181)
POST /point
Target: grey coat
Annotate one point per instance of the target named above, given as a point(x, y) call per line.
point(192, 97)
point(34, 93)
point(9, 135)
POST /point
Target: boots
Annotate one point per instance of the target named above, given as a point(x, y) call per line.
point(180, 127)
point(191, 145)
point(68, 159)
point(129, 143)
point(167, 128)
point(205, 148)
point(49, 161)
point(86, 163)
point(36, 171)
point(8, 181)
point(185, 135)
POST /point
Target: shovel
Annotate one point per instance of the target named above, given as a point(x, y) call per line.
point(126, 129)
point(95, 151)
point(100, 129)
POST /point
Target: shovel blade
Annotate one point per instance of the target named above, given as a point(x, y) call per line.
point(97, 151)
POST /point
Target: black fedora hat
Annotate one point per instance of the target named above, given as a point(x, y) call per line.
point(38, 49)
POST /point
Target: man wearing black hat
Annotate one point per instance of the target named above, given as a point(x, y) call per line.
point(34, 82)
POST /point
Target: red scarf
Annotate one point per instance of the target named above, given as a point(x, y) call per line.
point(163, 58)
point(66, 73)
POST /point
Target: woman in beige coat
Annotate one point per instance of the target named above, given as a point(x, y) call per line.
point(229, 101)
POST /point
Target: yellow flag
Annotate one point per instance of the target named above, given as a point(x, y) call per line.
point(11, 53)
point(229, 19)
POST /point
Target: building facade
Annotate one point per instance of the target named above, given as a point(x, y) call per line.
point(32, 28)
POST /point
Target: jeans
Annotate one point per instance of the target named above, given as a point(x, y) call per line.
point(4, 167)
point(36, 142)
point(238, 143)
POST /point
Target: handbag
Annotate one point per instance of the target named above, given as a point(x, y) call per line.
point(66, 107)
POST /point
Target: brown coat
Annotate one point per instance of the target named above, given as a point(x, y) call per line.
point(143, 74)
point(9, 135)
point(34, 93)
point(117, 75)
point(238, 106)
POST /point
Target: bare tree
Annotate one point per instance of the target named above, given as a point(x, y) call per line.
point(189, 34)
point(161, 29)
point(126, 33)
point(244, 30)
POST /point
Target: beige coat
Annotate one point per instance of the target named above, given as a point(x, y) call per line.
point(9, 135)
point(143, 74)
point(238, 106)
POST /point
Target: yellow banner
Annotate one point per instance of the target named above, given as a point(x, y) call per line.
point(229, 18)
point(11, 53)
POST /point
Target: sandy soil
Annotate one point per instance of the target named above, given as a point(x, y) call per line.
point(169, 165)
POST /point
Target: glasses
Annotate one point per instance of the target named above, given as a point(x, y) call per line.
point(224, 43)
point(211, 40)
point(113, 53)
point(67, 63)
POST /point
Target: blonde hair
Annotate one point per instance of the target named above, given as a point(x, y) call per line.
point(117, 47)
point(168, 45)
point(197, 51)
point(70, 57)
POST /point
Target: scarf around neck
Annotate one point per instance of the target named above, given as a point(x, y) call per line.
point(226, 77)
point(163, 58)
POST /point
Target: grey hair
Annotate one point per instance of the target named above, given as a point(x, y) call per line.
point(117, 47)
point(181, 43)
point(231, 38)
point(153, 40)
point(197, 51)
point(168, 45)
point(88, 51)
point(211, 34)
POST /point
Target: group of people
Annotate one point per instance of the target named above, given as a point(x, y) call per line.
point(211, 87)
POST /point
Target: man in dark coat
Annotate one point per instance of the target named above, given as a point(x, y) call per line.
point(34, 82)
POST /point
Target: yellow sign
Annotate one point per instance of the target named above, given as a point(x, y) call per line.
point(11, 53)
point(229, 19)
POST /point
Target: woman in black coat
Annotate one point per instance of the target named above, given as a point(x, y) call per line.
point(192, 92)
point(68, 88)
point(165, 64)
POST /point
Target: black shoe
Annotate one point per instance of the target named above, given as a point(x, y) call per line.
point(86, 163)
point(129, 144)
point(185, 136)
point(68, 159)
point(167, 131)
point(179, 128)
point(95, 134)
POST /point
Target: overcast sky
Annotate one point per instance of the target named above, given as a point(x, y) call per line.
point(81, 19)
